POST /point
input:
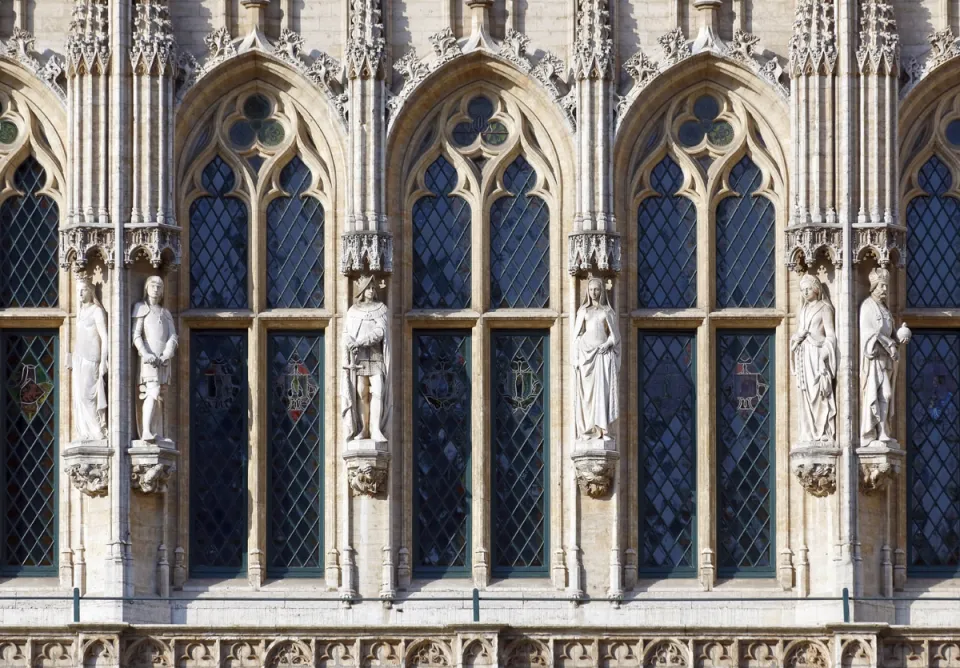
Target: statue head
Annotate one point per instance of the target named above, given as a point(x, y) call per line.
point(595, 294)
point(153, 290)
point(85, 289)
point(366, 290)
point(879, 284)
point(811, 288)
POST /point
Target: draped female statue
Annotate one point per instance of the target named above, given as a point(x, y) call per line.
point(814, 364)
point(596, 364)
point(90, 355)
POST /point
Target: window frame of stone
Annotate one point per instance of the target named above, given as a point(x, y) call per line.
point(657, 135)
point(305, 136)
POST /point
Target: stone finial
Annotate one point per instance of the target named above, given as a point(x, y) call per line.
point(813, 46)
point(154, 49)
point(593, 44)
point(88, 44)
point(879, 51)
point(365, 46)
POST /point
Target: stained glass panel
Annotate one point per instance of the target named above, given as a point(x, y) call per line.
point(745, 242)
point(933, 242)
point(442, 443)
point(519, 243)
point(218, 242)
point(295, 534)
point(520, 452)
point(30, 452)
point(295, 243)
point(933, 427)
point(218, 453)
point(441, 243)
point(745, 441)
point(667, 242)
point(29, 242)
point(668, 454)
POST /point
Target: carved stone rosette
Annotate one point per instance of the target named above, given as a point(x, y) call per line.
point(592, 251)
point(88, 466)
point(815, 467)
point(596, 470)
point(367, 472)
point(879, 465)
point(366, 252)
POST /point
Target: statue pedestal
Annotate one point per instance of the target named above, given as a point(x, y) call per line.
point(151, 464)
point(815, 465)
point(368, 464)
point(595, 460)
point(880, 462)
point(88, 465)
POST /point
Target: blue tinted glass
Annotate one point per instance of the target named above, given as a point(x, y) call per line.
point(933, 241)
point(30, 452)
point(953, 132)
point(520, 476)
point(441, 243)
point(745, 440)
point(218, 243)
point(295, 482)
point(295, 243)
point(667, 243)
point(442, 442)
point(519, 243)
point(745, 242)
point(29, 242)
point(218, 453)
point(933, 428)
point(668, 454)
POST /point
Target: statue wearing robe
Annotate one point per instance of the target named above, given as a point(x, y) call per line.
point(596, 365)
point(814, 356)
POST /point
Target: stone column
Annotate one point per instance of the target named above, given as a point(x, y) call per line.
point(367, 255)
point(594, 251)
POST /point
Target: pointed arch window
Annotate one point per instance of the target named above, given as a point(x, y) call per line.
point(933, 258)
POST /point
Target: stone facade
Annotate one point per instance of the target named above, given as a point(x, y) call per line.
point(838, 105)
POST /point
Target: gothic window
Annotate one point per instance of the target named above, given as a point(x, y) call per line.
point(707, 186)
point(257, 182)
point(933, 246)
point(479, 185)
point(30, 454)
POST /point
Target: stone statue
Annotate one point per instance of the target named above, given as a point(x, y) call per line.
point(596, 364)
point(813, 351)
point(155, 339)
point(90, 364)
point(365, 388)
point(880, 355)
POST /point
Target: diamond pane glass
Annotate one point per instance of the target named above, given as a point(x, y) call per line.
point(933, 244)
point(442, 442)
point(667, 242)
point(441, 243)
point(29, 242)
point(30, 452)
point(218, 243)
point(745, 439)
point(519, 243)
point(218, 453)
point(668, 454)
point(295, 243)
point(933, 425)
point(745, 242)
point(296, 454)
point(520, 476)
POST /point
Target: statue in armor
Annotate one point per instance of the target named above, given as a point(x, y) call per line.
point(155, 339)
point(365, 390)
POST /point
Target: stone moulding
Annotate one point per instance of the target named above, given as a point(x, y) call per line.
point(87, 464)
point(593, 251)
point(367, 472)
point(879, 465)
point(595, 470)
point(815, 467)
point(363, 252)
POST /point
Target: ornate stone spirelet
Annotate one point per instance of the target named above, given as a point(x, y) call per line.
point(154, 49)
point(593, 45)
point(813, 46)
point(366, 251)
point(88, 44)
point(879, 51)
point(365, 47)
point(594, 251)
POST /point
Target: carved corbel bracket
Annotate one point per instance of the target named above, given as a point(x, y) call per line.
point(815, 466)
point(363, 252)
point(592, 251)
point(87, 463)
point(596, 468)
point(805, 242)
point(151, 465)
point(155, 243)
point(879, 464)
point(884, 242)
point(367, 471)
point(76, 243)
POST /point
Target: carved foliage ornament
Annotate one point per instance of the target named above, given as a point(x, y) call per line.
point(594, 251)
point(813, 46)
point(365, 47)
point(367, 477)
point(595, 474)
point(19, 48)
point(88, 44)
point(944, 47)
point(91, 479)
point(593, 45)
point(818, 479)
point(366, 251)
point(805, 243)
point(154, 49)
point(150, 478)
point(879, 51)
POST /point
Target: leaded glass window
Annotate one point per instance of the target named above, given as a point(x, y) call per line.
point(745, 242)
point(519, 243)
point(30, 452)
point(745, 453)
point(441, 242)
point(218, 242)
point(295, 473)
point(520, 452)
point(295, 242)
point(29, 242)
point(667, 242)
point(668, 454)
point(933, 242)
point(218, 452)
point(442, 444)
point(933, 428)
